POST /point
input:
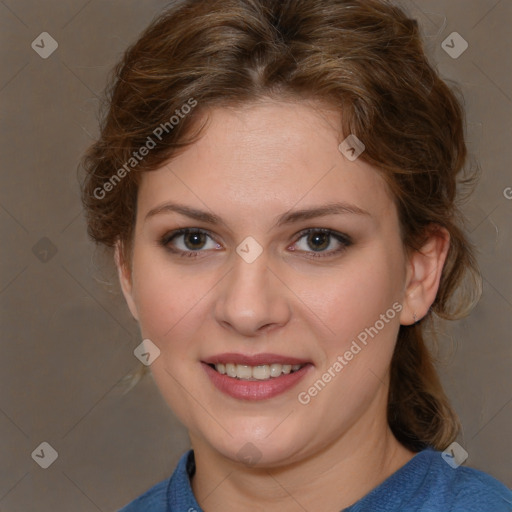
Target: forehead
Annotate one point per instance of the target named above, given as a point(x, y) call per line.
point(263, 158)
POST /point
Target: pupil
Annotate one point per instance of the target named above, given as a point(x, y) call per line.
point(198, 240)
point(319, 237)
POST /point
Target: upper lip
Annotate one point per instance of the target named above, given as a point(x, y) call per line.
point(253, 360)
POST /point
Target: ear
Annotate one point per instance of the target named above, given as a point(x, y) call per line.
point(125, 279)
point(424, 275)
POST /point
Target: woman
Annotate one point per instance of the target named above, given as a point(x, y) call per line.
point(277, 181)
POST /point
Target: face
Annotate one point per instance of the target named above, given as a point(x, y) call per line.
point(266, 276)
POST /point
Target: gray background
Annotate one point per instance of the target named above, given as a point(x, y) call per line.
point(67, 337)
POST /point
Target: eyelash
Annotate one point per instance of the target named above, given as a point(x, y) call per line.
point(345, 240)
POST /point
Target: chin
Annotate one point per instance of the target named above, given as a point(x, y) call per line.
point(255, 447)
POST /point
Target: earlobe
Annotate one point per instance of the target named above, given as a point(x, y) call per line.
point(125, 279)
point(424, 272)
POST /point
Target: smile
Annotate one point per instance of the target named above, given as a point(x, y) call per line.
point(256, 377)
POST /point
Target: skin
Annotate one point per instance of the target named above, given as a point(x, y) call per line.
point(252, 165)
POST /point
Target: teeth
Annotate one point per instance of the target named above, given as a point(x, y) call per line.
point(275, 370)
point(231, 370)
point(260, 372)
point(243, 371)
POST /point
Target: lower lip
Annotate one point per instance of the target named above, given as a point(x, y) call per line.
point(255, 389)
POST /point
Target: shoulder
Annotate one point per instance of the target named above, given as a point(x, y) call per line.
point(428, 483)
point(466, 489)
point(475, 490)
point(154, 499)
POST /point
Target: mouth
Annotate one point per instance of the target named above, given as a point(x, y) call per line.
point(256, 377)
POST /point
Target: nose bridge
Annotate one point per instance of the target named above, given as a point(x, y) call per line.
point(251, 297)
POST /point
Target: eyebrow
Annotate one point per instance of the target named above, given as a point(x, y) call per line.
point(289, 217)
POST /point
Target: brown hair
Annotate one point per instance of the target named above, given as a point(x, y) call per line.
point(362, 57)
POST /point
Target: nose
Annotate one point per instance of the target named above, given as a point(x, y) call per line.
point(252, 300)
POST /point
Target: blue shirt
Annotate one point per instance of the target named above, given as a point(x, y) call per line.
point(425, 484)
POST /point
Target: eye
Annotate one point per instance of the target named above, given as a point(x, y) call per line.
point(188, 242)
point(320, 240)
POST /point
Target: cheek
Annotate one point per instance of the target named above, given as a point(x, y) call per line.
point(166, 296)
point(169, 303)
point(352, 297)
point(358, 307)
